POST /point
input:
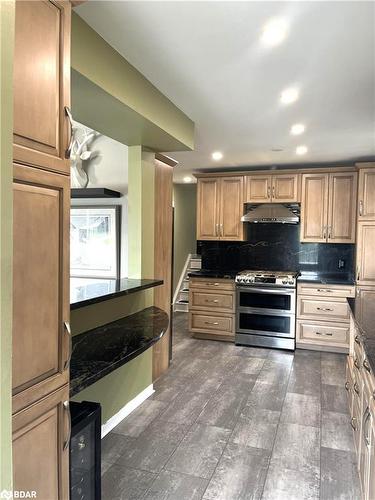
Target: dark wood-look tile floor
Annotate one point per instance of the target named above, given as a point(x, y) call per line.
point(236, 423)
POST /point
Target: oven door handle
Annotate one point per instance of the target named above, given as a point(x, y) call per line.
point(278, 291)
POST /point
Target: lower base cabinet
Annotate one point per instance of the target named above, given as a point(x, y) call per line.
point(41, 435)
point(360, 385)
point(212, 308)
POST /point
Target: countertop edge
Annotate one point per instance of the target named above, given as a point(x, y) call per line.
point(114, 295)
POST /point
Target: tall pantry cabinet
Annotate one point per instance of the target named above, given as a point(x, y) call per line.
point(41, 331)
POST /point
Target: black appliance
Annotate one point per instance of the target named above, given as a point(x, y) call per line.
point(85, 451)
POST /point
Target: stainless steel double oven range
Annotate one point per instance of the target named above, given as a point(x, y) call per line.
point(266, 309)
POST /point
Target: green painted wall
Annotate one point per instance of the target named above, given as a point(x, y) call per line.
point(123, 97)
point(122, 385)
point(185, 212)
point(6, 139)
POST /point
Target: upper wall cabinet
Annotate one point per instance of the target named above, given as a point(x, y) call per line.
point(42, 84)
point(328, 207)
point(220, 208)
point(366, 198)
point(277, 188)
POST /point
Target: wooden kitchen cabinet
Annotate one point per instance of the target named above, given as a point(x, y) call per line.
point(40, 447)
point(40, 283)
point(258, 188)
point(231, 208)
point(220, 208)
point(212, 308)
point(277, 188)
point(314, 208)
point(365, 253)
point(42, 83)
point(366, 194)
point(328, 207)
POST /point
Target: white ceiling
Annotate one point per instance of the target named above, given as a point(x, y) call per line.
point(208, 59)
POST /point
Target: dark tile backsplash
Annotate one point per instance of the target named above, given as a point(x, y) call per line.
point(276, 247)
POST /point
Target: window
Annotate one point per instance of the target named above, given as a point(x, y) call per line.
point(95, 241)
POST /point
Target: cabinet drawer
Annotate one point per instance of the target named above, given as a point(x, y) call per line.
point(200, 299)
point(214, 324)
point(320, 333)
point(326, 290)
point(212, 284)
point(310, 307)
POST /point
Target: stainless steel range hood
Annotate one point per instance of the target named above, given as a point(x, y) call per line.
point(272, 213)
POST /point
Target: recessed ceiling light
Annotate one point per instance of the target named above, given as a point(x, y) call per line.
point(187, 179)
point(301, 150)
point(274, 32)
point(297, 129)
point(289, 95)
point(217, 155)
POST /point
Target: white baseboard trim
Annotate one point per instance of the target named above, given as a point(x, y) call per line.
point(126, 410)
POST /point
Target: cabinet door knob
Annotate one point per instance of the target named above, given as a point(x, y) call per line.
point(360, 208)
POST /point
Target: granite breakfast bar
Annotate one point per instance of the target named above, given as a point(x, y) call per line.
point(101, 350)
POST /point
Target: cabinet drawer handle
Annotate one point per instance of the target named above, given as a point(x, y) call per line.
point(68, 331)
point(67, 413)
point(215, 323)
point(212, 284)
point(347, 386)
point(356, 364)
point(324, 290)
point(366, 419)
point(324, 309)
point(326, 334)
point(212, 301)
point(352, 423)
point(70, 118)
point(356, 388)
point(356, 340)
point(366, 365)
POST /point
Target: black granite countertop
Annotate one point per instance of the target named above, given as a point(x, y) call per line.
point(327, 278)
point(207, 273)
point(363, 310)
point(100, 351)
point(87, 291)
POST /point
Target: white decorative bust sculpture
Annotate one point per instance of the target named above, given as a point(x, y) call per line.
point(79, 154)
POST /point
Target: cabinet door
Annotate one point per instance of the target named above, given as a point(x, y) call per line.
point(365, 253)
point(40, 447)
point(40, 283)
point(231, 208)
point(42, 83)
point(258, 189)
point(314, 208)
point(208, 209)
point(285, 188)
point(366, 198)
point(342, 207)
